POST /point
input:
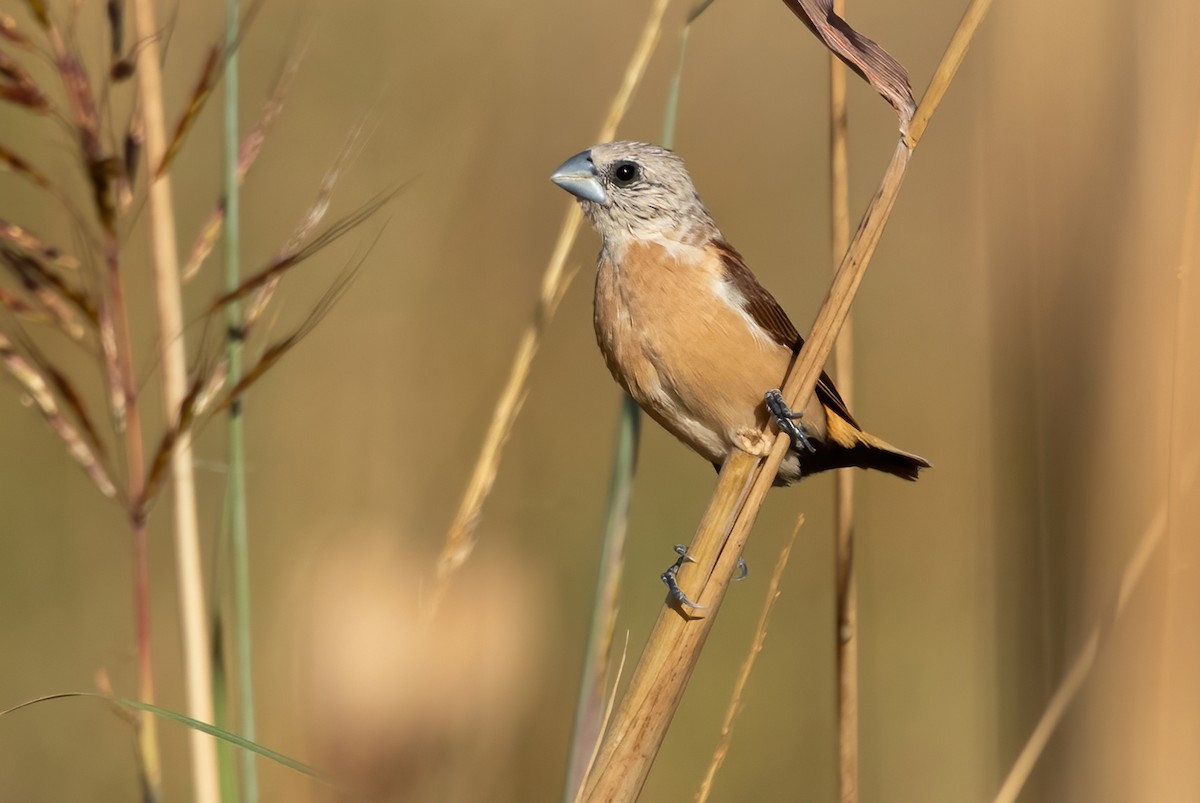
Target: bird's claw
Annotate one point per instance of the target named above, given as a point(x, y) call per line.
point(787, 420)
point(743, 569)
point(674, 592)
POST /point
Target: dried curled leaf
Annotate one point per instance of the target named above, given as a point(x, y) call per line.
point(869, 60)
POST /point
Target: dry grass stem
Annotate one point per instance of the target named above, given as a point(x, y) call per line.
point(739, 686)
point(1085, 659)
point(460, 538)
point(675, 642)
point(608, 709)
point(177, 396)
point(1175, 547)
point(846, 606)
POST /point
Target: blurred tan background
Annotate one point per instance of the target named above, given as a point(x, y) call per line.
point(1025, 325)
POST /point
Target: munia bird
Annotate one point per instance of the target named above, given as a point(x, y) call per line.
point(690, 334)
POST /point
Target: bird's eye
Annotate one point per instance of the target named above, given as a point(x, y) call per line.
point(625, 173)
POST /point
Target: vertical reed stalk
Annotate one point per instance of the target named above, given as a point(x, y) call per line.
point(188, 567)
point(236, 488)
point(846, 608)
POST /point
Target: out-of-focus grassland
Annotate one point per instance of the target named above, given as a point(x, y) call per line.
point(1024, 326)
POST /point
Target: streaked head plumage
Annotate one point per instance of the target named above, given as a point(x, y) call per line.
point(635, 189)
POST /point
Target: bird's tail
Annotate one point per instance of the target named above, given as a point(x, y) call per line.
point(864, 450)
point(882, 456)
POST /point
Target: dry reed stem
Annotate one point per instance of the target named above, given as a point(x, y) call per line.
point(188, 567)
point(674, 645)
point(756, 646)
point(846, 606)
point(608, 709)
point(460, 538)
point(1175, 564)
point(1081, 667)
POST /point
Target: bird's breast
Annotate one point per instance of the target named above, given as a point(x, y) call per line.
point(675, 335)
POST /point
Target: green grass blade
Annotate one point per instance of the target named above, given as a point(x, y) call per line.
point(182, 719)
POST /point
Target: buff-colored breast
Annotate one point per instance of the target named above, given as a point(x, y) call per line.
point(675, 335)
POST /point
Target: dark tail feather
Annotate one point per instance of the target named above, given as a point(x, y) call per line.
point(862, 455)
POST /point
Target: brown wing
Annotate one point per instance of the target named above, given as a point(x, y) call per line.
point(767, 313)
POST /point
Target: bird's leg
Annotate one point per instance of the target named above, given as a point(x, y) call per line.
point(668, 577)
point(675, 592)
point(787, 420)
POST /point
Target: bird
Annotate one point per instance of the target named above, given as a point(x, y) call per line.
point(689, 332)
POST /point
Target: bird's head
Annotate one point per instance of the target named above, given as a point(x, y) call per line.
point(634, 190)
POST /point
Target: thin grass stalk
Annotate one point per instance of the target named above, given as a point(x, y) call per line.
point(236, 487)
point(1085, 659)
point(1174, 550)
point(123, 378)
point(117, 347)
point(675, 642)
point(460, 538)
point(743, 679)
point(188, 566)
point(846, 607)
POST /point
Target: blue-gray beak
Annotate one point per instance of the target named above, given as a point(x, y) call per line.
point(578, 176)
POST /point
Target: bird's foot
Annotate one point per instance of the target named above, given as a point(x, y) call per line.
point(674, 592)
point(788, 421)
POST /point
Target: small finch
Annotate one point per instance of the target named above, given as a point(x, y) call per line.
point(688, 331)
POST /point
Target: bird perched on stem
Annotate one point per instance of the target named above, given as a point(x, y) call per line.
point(688, 331)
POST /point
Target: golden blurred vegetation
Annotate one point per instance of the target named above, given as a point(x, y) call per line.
point(1030, 324)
